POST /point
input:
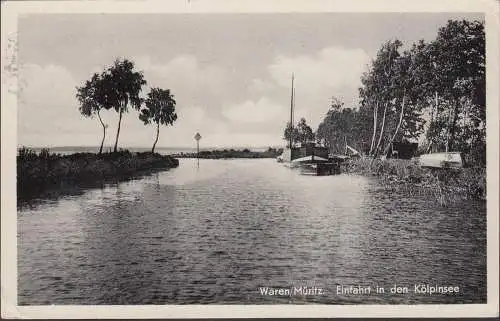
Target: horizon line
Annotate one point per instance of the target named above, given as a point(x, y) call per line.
point(148, 147)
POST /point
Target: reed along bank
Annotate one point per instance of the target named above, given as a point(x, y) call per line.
point(44, 172)
point(445, 185)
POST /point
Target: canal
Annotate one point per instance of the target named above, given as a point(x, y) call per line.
point(230, 231)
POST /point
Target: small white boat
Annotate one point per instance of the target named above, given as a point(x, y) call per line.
point(442, 160)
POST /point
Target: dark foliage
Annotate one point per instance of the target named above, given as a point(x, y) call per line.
point(159, 110)
point(433, 90)
point(232, 153)
point(445, 185)
point(37, 173)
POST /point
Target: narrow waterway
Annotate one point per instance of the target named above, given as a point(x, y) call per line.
point(229, 230)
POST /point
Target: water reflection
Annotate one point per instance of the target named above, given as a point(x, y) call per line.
point(214, 233)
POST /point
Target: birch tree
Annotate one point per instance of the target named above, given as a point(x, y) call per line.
point(159, 110)
point(124, 85)
point(92, 98)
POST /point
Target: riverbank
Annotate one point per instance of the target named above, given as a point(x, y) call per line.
point(40, 173)
point(444, 185)
point(232, 153)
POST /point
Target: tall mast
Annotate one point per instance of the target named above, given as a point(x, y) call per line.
point(291, 114)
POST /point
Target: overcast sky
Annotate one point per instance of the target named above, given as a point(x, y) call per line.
point(230, 73)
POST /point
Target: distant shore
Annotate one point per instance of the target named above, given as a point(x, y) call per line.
point(45, 172)
point(231, 153)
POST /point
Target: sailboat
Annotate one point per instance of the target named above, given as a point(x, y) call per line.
point(309, 158)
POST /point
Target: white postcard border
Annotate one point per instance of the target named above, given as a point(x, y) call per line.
point(10, 12)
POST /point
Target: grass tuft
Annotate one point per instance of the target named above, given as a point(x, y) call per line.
point(37, 173)
point(444, 185)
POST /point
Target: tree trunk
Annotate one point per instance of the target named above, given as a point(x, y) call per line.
point(399, 124)
point(104, 132)
point(157, 134)
point(115, 149)
point(375, 153)
point(451, 136)
point(434, 114)
point(375, 113)
point(434, 109)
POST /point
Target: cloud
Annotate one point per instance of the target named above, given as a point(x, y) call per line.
point(332, 68)
point(48, 113)
point(261, 111)
point(192, 82)
point(197, 88)
point(259, 85)
point(47, 104)
point(332, 71)
point(207, 98)
point(192, 120)
point(48, 110)
point(220, 140)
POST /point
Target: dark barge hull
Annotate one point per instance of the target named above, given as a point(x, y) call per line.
point(320, 169)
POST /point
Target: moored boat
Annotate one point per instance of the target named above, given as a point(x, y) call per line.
point(310, 158)
point(442, 160)
point(318, 166)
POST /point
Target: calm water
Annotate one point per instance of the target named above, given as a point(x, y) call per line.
point(220, 233)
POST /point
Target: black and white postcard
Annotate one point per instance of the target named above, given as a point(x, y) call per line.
point(200, 158)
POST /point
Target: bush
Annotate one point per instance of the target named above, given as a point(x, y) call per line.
point(36, 173)
point(25, 153)
point(444, 184)
point(44, 153)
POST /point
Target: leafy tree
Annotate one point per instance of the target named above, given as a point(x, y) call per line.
point(123, 86)
point(330, 130)
point(291, 134)
point(406, 120)
point(458, 79)
point(341, 126)
point(380, 92)
point(305, 133)
point(301, 133)
point(92, 99)
point(160, 109)
point(443, 81)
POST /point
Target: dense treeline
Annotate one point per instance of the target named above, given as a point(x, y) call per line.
point(433, 93)
point(232, 153)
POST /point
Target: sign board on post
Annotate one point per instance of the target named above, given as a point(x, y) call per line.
point(197, 137)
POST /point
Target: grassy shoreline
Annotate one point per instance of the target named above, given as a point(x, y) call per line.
point(42, 173)
point(39, 174)
point(231, 153)
point(445, 186)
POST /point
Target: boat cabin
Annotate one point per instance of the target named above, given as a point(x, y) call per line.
point(304, 151)
point(402, 150)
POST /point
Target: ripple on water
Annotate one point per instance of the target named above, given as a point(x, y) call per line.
point(217, 233)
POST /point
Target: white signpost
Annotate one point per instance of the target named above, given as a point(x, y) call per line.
point(197, 137)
